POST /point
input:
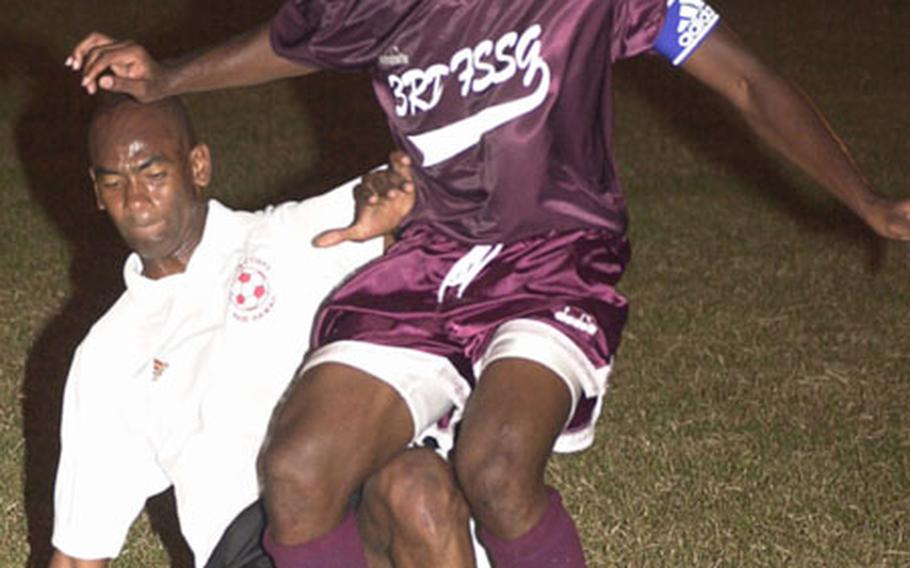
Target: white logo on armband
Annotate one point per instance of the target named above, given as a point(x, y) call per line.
point(688, 23)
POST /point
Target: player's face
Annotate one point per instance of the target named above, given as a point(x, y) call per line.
point(150, 184)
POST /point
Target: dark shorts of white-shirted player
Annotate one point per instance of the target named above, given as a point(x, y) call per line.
point(241, 544)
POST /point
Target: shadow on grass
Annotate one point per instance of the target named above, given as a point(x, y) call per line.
point(49, 135)
point(709, 124)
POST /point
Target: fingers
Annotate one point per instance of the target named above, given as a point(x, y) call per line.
point(401, 165)
point(383, 198)
point(899, 229)
point(123, 59)
point(385, 184)
point(120, 66)
point(389, 183)
point(896, 223)
point(138, 89)
point(365, 193)
point(334, 237)
point(90, 42)
point(399, 160)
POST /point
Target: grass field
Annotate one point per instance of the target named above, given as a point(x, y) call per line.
point(759, 410)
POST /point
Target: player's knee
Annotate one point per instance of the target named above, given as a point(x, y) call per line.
point(420, 492)
point(294, 466)
point(495, 476)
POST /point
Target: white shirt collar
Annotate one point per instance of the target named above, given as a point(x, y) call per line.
point(220, 227)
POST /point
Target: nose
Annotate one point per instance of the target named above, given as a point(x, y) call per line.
point(136, 196)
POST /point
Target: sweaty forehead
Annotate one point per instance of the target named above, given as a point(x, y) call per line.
point(131, 130)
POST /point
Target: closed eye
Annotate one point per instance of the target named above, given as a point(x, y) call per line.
point(109, 183)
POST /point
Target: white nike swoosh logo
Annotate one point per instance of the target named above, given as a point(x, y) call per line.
point(443, 143)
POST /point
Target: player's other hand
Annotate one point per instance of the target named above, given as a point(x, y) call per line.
point(889, 218)
point(118, 66)
point(382, 200)
point(389, 184)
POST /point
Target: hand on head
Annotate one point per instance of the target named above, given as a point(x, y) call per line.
point(118, 66)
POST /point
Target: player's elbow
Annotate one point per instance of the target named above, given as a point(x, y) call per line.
point(743, 95)
point(757, 91)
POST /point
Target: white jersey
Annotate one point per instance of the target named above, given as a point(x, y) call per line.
point(175, 384)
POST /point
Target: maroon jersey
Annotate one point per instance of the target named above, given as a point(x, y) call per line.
point(505, 105)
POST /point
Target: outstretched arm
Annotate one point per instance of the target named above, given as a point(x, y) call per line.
point(247, 59)
point(786, 119)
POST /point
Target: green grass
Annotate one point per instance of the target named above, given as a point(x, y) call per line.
point(758, 413)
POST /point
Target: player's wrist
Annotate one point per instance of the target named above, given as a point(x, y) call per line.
point(181, 75)
point(171, 79)
point(875, 210)
point(865, 202)
point(872, 203)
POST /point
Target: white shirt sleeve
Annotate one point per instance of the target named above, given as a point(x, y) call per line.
point(331, 210)
point(107, 468)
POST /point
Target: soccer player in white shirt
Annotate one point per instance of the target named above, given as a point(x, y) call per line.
point(175, 384)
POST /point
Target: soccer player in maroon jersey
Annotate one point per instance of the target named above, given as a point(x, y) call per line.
point(499, 298)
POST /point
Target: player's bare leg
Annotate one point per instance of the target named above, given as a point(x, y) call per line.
point(413, 515)
point(335, 427)
point(510, 425)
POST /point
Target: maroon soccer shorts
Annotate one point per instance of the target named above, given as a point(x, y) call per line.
point(549, 298)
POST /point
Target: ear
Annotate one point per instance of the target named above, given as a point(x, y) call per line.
point(201, 166)
point(98, 202)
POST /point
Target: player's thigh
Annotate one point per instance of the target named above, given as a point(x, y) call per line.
point(339, 413)
point(513, 417)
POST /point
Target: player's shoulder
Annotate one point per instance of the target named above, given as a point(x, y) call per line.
point(287, 230)
point(302, 220)
point(226, 218)
point(105, 338)
point(315, 211)
point(112, 322)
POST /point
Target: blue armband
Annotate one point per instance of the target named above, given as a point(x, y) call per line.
point(688, 23)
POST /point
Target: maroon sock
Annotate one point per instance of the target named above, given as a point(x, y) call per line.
point(551, 543)
point(340, 548)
